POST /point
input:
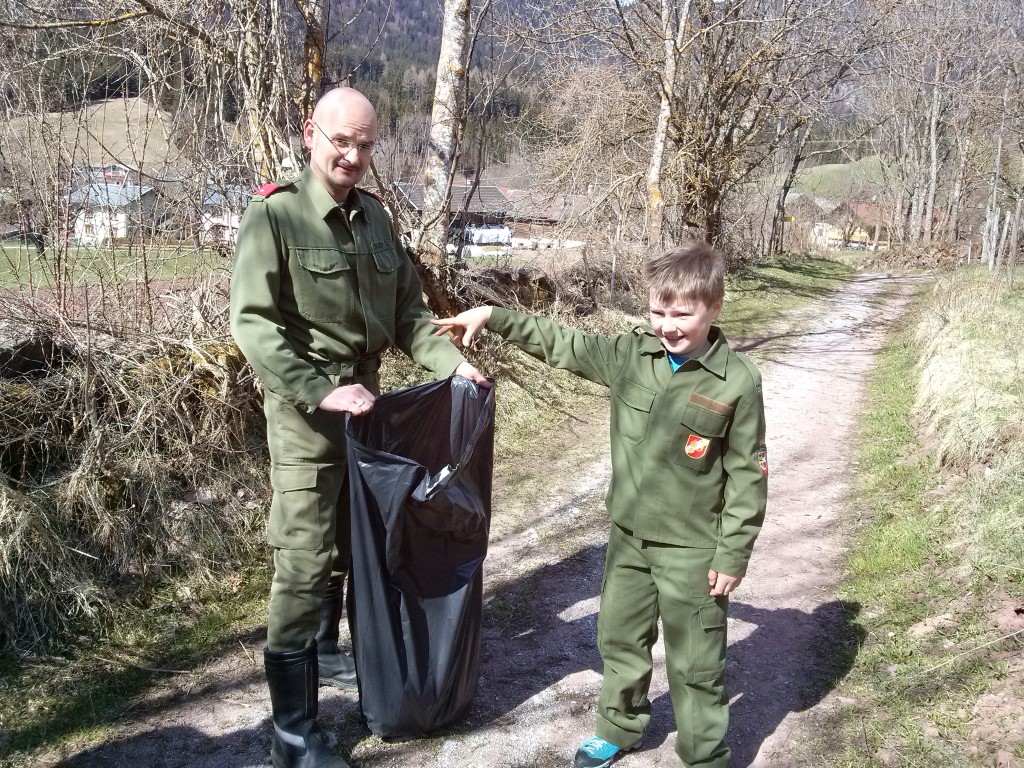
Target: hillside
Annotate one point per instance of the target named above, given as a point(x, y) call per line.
point(130, 131)
point(840, 181)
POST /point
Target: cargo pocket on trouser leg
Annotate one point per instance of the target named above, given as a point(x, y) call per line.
point(303, 513)
point(301, 530)
point(295, 516)
point(703, 725)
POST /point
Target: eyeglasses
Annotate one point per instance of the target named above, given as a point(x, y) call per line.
point(344, 146)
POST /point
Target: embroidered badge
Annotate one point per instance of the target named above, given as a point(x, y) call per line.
point(762, 461)
point(697, 446)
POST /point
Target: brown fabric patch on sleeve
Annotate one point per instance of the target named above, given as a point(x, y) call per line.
point(711, 405)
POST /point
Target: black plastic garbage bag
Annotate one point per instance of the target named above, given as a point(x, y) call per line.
point(420, 476)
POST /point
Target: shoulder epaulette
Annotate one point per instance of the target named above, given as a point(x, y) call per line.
point(375, 196)
point(266, 190)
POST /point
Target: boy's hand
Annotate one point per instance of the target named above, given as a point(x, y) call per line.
point(467, 371)
point(721, 584)
point(464, 326)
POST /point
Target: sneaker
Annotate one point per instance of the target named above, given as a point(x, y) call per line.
point(595, 752)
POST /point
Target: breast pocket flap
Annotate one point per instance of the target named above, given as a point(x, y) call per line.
point(635, 396)
point(323, 261)
point(385, 259)
point(703, 421)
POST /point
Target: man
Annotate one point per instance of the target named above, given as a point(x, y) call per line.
point(321, 287)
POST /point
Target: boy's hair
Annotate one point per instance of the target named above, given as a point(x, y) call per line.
point(693, 270)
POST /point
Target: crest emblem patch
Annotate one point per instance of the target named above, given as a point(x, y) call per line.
point(762, 461)
point(697, 446)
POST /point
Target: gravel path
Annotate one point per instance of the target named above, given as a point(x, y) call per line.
point(541, 671)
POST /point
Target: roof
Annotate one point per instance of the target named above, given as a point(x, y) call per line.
point(108, 195)
point(826, 205)
point(534, 205)
point(486, 199)
point(231, 196)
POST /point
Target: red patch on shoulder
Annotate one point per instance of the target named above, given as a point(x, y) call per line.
point(267, 189)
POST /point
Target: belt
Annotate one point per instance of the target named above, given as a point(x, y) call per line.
point(362, 366)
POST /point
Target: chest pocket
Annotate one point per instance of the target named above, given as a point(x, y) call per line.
point(632, 411)
point(324, 284)
point(384, 286)
point(699, 443)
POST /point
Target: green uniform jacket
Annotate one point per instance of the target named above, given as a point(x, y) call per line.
point(316, 285)
point(689, 466)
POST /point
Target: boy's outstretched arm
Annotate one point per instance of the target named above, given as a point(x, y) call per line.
point(464, 326)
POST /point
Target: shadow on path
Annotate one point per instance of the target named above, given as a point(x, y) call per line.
point(788, 663)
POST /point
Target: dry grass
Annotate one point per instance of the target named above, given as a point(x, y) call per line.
point(970, 400)
point(124, 461)
point(971, 390)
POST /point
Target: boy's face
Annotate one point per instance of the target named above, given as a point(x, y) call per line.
point(682, 324)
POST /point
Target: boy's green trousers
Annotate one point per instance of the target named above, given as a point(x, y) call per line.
point(643, 580)
point(309, 516)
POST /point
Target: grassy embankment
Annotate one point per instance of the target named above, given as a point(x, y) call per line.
point(938, 561)
point(50, 701)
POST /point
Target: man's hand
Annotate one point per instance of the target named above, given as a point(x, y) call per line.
point(353, 398)
point(467, 371)
point(465, 326)
point(721, 584)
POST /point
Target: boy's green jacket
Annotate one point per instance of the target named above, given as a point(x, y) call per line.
point(689, 464)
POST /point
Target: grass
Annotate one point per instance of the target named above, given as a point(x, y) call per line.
point(840, 181)
point(52, 701)
point(21, 266)
point(759, 294)
point(916, 566)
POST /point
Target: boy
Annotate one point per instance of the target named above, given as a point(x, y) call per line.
point(687, 495)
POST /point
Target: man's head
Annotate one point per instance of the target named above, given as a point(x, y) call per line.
point(687, 287)
point(340, 137)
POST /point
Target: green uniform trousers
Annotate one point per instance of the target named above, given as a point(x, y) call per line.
point(642, 580)
point(309, 525)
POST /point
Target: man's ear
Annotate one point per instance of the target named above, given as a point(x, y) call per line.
point(307, 134)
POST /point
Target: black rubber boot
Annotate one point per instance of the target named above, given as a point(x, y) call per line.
point(298, 742)
point(337, 667)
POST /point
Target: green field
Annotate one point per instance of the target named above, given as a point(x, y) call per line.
point(24, 267)
point(838, 181)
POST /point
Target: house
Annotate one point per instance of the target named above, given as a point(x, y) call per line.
point(536, 212)
point(826, 224)
point(104, 211)
point(222, 214)
point(860, 224)
point(470, 206)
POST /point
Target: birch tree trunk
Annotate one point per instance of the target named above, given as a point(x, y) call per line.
point(672, 31)
point(446, 122)
point(956, 199)
point(998, 262)
point(933, 147)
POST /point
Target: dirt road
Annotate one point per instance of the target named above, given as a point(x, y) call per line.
point(541, 671)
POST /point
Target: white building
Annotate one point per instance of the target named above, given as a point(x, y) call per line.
point(105, 211)
point(222, 214)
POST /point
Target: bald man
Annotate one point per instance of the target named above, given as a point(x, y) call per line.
point(321, 287)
